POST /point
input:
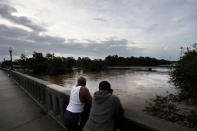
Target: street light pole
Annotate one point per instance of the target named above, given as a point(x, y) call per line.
point(10, 50)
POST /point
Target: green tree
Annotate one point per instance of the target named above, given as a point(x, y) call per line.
point(96, 65)
point(38, 65)
point(22, 60)
point(56, 66)
point(184, 75)
point(50, 56)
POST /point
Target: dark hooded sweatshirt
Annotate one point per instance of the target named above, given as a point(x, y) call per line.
point(105, 111)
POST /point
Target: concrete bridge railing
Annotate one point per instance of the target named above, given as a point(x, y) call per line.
point(53, 99)
point(50, 97)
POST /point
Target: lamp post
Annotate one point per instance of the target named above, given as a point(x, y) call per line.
point(10, 50)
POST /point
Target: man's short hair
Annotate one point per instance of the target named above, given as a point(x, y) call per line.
point(81, 81)
point(104, 85)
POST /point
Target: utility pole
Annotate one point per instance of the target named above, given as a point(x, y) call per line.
point(10, 50)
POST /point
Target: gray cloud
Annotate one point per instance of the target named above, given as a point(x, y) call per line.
point(21, 40)
point(11, 32)
point(45, 39)
point(150, 24)
point(7, 11)
point(100, 19)
point(20, 34)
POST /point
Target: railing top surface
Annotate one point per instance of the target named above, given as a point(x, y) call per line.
point(58, 89)
point(154, 123)
point(33, 78)
point(50, 86)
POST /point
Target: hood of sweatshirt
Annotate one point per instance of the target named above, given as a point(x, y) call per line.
point(101, 96)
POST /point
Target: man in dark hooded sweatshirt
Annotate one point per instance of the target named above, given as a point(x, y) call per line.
point(106, 112)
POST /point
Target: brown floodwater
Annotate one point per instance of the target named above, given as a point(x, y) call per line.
point(133, 87)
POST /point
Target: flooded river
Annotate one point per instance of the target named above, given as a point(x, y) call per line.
point(132, 86)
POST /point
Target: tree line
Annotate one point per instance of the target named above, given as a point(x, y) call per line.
point(50, 64)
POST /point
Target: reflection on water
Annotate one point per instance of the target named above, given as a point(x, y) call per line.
point(132, 87)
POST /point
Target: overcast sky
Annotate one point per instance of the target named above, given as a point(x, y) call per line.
point(97, 28)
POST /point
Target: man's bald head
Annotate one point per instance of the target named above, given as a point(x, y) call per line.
point(81, 81)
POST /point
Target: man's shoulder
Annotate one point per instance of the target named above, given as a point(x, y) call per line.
point(115, 98)
point(84, 89)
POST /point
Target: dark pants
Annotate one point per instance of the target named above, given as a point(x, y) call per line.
point(85, 115)
point(72, 121)
point(76, 121)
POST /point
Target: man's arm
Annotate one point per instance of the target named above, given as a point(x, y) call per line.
point(119, 115)
point(84, 95)
point(119, 112)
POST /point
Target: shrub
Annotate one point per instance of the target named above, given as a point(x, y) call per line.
point(184, 75)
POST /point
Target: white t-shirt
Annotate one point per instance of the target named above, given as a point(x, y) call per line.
point(75, 105)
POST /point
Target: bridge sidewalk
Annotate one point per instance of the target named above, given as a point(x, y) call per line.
point(18, 112)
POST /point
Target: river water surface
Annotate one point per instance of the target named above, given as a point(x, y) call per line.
point(133, 87)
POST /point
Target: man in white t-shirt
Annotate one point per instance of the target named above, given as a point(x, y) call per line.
point(78, 97)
